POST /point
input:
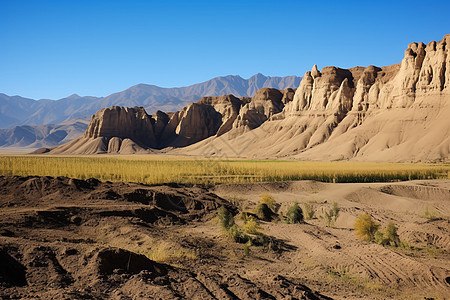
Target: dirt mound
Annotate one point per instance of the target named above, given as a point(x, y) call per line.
point(269, 187)
point(183, 200)
point(114, 272)
point(108, 261)
point(417, 192)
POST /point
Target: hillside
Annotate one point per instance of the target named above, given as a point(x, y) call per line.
point(26, 136)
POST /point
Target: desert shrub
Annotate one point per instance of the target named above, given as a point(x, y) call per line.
point(335, 210)
point(251, 225)
point(236, 234)
point(388, 236)
point(365, 227)
point(308, 211)
point(269, 201)
point(294, 214)
point(330, 216)
point(263, 212)
point(225, 218)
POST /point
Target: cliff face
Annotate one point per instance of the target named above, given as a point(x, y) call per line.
point(262, 106)
point(423, 72)
point(193, 123)
point(120, 122)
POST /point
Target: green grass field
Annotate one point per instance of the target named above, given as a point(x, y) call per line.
point(164, 169)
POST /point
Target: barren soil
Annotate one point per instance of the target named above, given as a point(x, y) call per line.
point(64, 238)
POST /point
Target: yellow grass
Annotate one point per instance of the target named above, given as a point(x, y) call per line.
point(155, 169)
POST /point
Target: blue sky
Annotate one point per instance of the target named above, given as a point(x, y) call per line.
point(51, 49)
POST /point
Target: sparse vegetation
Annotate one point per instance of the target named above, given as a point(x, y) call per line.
point(294, 214)
point(388, 236)
point(247, 248)
point(365, 228)
point(166, 251)
point(225, 218)
point(308, 210)
point(249, 233)
point(237, 235)
point(431, 213)
point(251, 225)
point(330, 216)
point(230, 228)
point(163, 169)
point(368, 230)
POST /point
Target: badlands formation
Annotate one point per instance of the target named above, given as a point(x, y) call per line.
point(395, 113)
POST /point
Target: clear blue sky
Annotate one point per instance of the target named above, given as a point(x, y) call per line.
point(51, 49)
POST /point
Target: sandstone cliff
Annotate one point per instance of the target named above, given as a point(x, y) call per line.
point(115, 130)
point(394, 113)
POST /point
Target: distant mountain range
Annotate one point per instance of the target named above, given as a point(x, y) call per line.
point(23, 117)
point(38, 136)
point(16, 110)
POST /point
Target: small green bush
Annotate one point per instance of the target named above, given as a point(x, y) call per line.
point(236, 234)
point(388, 236)
point(365, 228)
point(225, 218)
point(294, 214)
point(251, 225)
point(331, 215)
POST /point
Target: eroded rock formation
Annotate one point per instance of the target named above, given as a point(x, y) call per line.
point(393, 113)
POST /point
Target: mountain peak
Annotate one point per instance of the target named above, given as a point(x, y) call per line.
point(73, 96)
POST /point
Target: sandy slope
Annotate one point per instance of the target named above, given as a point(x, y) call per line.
point(395, 135)
point(398, 273)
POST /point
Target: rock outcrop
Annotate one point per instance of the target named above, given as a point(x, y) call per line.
point(228, 106)
point(133, 123)
point(262, 106)
point(193, 123)
point(114, 130)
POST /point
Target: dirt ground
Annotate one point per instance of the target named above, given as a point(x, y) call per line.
point(64, 238)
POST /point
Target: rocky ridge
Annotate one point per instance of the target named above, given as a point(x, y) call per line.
point(131, 130)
